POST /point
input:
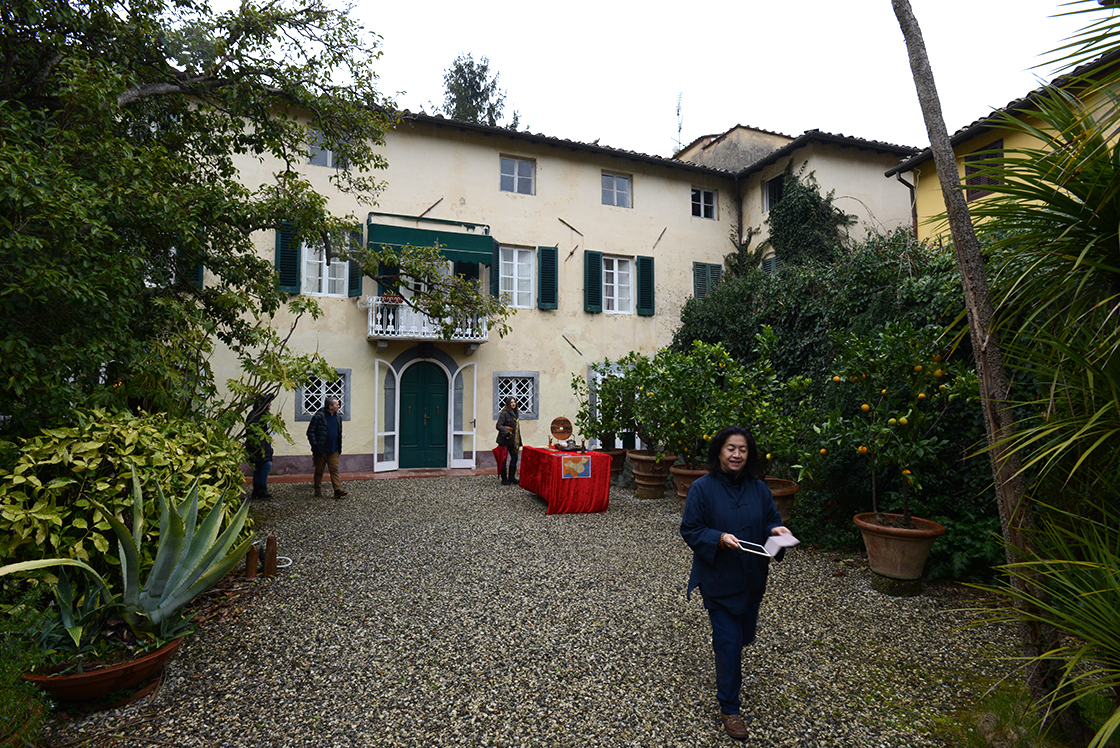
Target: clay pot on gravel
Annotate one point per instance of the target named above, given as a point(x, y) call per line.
point(618, 461)
point(98, 683)
point(683, 478)
point(650, 473)
point(898, 553)
point(784, 492)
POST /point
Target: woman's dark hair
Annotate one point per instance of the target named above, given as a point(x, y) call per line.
point(715, 446)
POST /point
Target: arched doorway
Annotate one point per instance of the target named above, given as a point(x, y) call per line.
point(423, 422)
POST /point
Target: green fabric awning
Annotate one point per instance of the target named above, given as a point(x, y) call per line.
point(456, 246)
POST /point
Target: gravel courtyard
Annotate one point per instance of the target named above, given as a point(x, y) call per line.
point(454, 611)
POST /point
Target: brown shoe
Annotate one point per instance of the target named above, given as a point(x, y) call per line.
point(340, 494)
point(733, 723)
point(318, 494)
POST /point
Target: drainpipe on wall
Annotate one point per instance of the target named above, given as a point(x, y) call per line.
point(913, 203)
point(739, 206)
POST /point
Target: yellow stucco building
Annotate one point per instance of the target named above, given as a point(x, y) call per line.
point(596, 248)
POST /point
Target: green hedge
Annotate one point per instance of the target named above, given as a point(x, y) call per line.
point(47, 480)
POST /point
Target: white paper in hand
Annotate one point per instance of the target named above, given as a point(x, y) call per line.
point(774, 544)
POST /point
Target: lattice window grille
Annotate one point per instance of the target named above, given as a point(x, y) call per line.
point(519, 387)
point(317, 390)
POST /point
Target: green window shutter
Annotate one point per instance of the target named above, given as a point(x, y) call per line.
point(699, 280)
point(189, 274)
point(468, 270)
point(548, 272)
point(495, 271)
point(386, 271)
point(287, 259)
point(592, 281)
point(354, 286)
point(705, 276)
point(645, 286)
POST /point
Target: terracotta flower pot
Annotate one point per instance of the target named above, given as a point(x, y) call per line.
point(683, 478)
point(898, 552)
point(618, 460)
point(97, 683)
point(650, 473)
point(784, 492)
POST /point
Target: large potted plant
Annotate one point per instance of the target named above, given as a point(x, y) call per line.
point(893, 391)
point(697, 393)
point(780, 415)
point(651, 419)
point(189, 558)
point(606, 409)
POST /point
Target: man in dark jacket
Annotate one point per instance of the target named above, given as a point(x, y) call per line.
point(258, 445)
point(325, 436)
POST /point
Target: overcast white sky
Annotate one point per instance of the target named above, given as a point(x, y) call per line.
point(587, 69)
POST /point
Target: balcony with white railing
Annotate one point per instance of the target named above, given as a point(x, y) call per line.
point(391, 319)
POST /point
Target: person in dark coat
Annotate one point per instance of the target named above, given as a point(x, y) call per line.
point(324, 433)
point(509, 436)
point(258, 445)
point(728, 505)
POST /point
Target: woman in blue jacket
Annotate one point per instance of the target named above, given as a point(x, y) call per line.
point(728, 505)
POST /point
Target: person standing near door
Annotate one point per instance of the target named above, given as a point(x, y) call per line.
point(509, 436)
point(325, 436)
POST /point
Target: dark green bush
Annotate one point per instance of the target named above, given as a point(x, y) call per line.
point(23, 706)
point(811, 307)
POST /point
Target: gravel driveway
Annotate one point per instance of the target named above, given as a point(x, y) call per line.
point(453, 611)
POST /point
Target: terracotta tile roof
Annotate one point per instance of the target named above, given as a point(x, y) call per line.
point(1017, 105)
point(818, 136)
point(539, 139)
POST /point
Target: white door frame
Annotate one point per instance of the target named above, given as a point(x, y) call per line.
point(463, 462)
point(381, 465)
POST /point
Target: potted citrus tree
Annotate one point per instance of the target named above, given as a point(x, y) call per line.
point(651, 419)
point(695, 394)
point(893, 391)
point(781, 415)
point(606, 408)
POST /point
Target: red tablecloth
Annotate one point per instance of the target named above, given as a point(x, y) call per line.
point(569, 482)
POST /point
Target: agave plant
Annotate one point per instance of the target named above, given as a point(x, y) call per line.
point(190, 558)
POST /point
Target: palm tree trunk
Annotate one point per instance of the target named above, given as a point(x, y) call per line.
point(1016, 517)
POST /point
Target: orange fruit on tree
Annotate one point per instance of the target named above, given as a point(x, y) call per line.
point(892, 422)
point(824, 451)
point(836, 378)
point(865, 407)
point(937, 358)
point(862, 450)
point(942, 388)
point(921, 396)
point(902, 421)
point(918, 369)
point(939, 373)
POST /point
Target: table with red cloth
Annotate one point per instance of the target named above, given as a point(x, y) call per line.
point(568, 481)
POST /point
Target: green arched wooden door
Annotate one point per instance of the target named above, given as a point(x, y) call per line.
point(423, 422)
